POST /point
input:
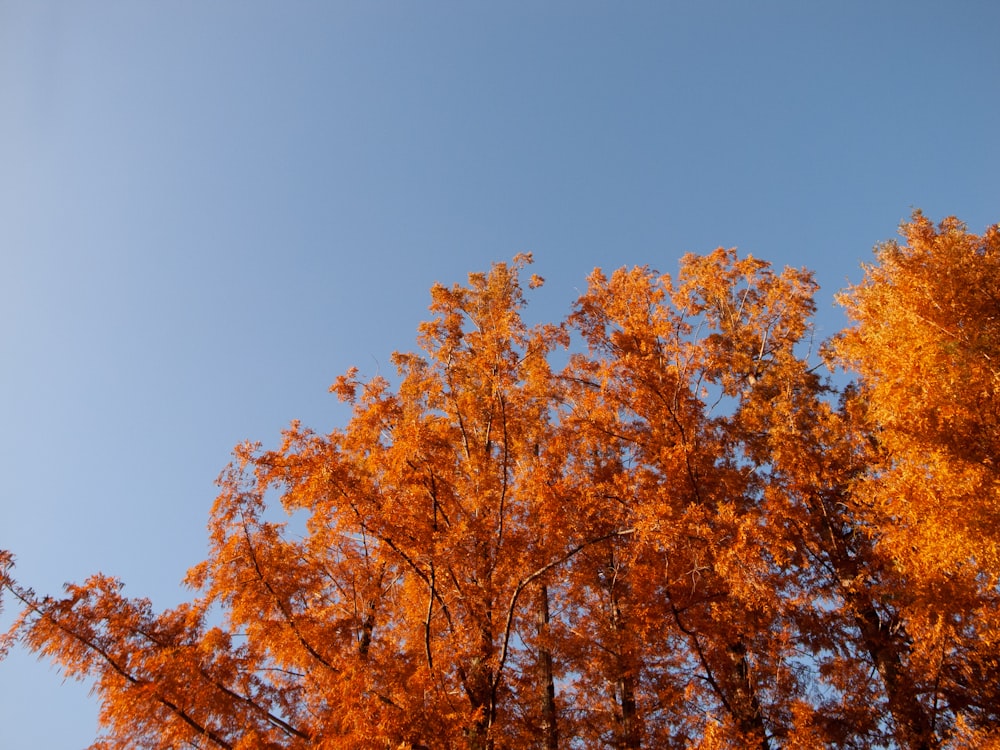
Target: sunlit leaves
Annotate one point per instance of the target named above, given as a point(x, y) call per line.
point(684, 537)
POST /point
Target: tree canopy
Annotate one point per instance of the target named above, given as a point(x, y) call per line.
point(685, 534)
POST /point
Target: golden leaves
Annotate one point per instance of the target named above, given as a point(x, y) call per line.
point(926, 342)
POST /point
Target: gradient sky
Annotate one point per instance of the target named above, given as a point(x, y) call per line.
point(210, 210)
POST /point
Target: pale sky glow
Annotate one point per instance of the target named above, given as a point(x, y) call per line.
point(208, 211)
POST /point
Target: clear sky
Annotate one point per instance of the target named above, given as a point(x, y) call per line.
point(210, 210)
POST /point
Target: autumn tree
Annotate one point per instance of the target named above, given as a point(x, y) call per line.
point(684, 536)
point(692, 623)
point(925, 342)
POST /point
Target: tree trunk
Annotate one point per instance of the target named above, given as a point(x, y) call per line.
point(743, 700)
point(480, 687)
point(886, 649)
point(550, 734)
point(625, 688)
point(884, 641)
point(624, 684)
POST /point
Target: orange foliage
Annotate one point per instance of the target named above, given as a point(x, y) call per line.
point(685, 537)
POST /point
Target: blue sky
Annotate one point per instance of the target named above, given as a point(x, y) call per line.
point(210, 210)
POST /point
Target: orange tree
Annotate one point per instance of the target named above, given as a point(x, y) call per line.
point(683, 537)
point(925, 342)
